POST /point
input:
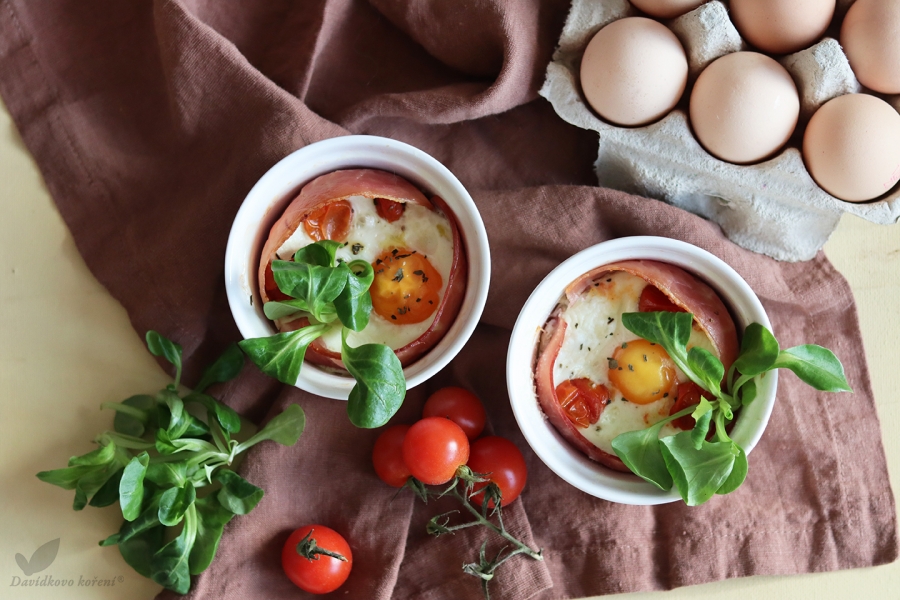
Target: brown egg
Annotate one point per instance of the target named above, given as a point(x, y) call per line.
point(870, 36)
point(782, 26)
point(744, 107)
point(633, 71)
point(852, 147)
point(667, 9)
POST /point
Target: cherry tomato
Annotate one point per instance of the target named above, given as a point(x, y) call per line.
point(389, 210)
point(329, 222)
point(324, 574)
point(272, 290)
point(387, 456)
point(505, 463)
point(406, 288)
point(653, 300)
point(460, 406)
point(582, 400)
point(642, 371)
point(434, 448)
point(688, 395)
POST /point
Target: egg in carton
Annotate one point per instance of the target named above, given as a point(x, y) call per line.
point(773, 207)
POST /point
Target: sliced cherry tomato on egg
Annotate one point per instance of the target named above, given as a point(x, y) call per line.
point(273, 292)
point(406, 288)
point(460, 406)
point(688, 395)
point(582, 400)
point(389, 210)
point(329, 222)
point(653, 300)
point(503, 462)
point(642, 371)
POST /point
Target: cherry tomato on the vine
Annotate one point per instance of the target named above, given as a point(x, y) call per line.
point(387, 456)
point(434, 448)
point(460, 406)
point(504, 462)
point(323, 574)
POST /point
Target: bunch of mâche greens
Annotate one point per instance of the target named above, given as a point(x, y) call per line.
point(699, 468)
point(157, 458)
point(330, 293)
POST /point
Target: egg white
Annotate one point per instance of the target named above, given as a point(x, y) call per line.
point(421, 229)
point(594, 331)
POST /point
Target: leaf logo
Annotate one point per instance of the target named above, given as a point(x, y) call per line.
point(42, 558)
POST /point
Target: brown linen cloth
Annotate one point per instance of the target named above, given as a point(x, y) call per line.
point(150, 122)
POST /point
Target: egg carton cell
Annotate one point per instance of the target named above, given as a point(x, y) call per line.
point(773, 207)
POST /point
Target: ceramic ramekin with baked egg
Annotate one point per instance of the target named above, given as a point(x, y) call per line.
point(270, 196)
point(551, 447)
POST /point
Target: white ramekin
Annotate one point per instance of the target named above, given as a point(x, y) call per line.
point(562, 458)
point(270, 196)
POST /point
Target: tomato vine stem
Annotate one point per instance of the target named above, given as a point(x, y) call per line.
point(484, 568)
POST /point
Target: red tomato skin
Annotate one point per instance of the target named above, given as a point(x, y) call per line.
point(387, 456)
point(434, 448)
point(582, 400)
point(653, 300)
point(460, 406)
point(505, 463)
point(389, 210)
point(688, 395)
point(272, 290)
point(329, 222)
point(317, 576)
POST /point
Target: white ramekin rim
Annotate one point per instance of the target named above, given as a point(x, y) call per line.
point(562, 458)
point(271, 194)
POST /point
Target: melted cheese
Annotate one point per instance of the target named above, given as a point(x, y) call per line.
point(420, 228)
point(593, 332)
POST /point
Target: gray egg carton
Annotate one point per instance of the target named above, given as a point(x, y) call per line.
point(773, 207)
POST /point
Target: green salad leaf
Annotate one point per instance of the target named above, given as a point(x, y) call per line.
point(281, 355)
point(330, 294)
point(174, 503)
point(131, 486)
point(315, 285)
point(354, 303)
point(759, 350)
point(697, 467)
point(815, 366)
point(641, 452)
point(227, 367)
point(237, 494)
point(697, 472)
point(155, 460)
point(380, 386)
point(166, 348)
point(211, 520)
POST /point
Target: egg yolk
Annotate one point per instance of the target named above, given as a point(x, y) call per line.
point(582, 400)
point(329, 222)
point(406, 287)
point(642, 371)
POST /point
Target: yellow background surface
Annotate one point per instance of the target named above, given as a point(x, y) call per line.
point(67, 346)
